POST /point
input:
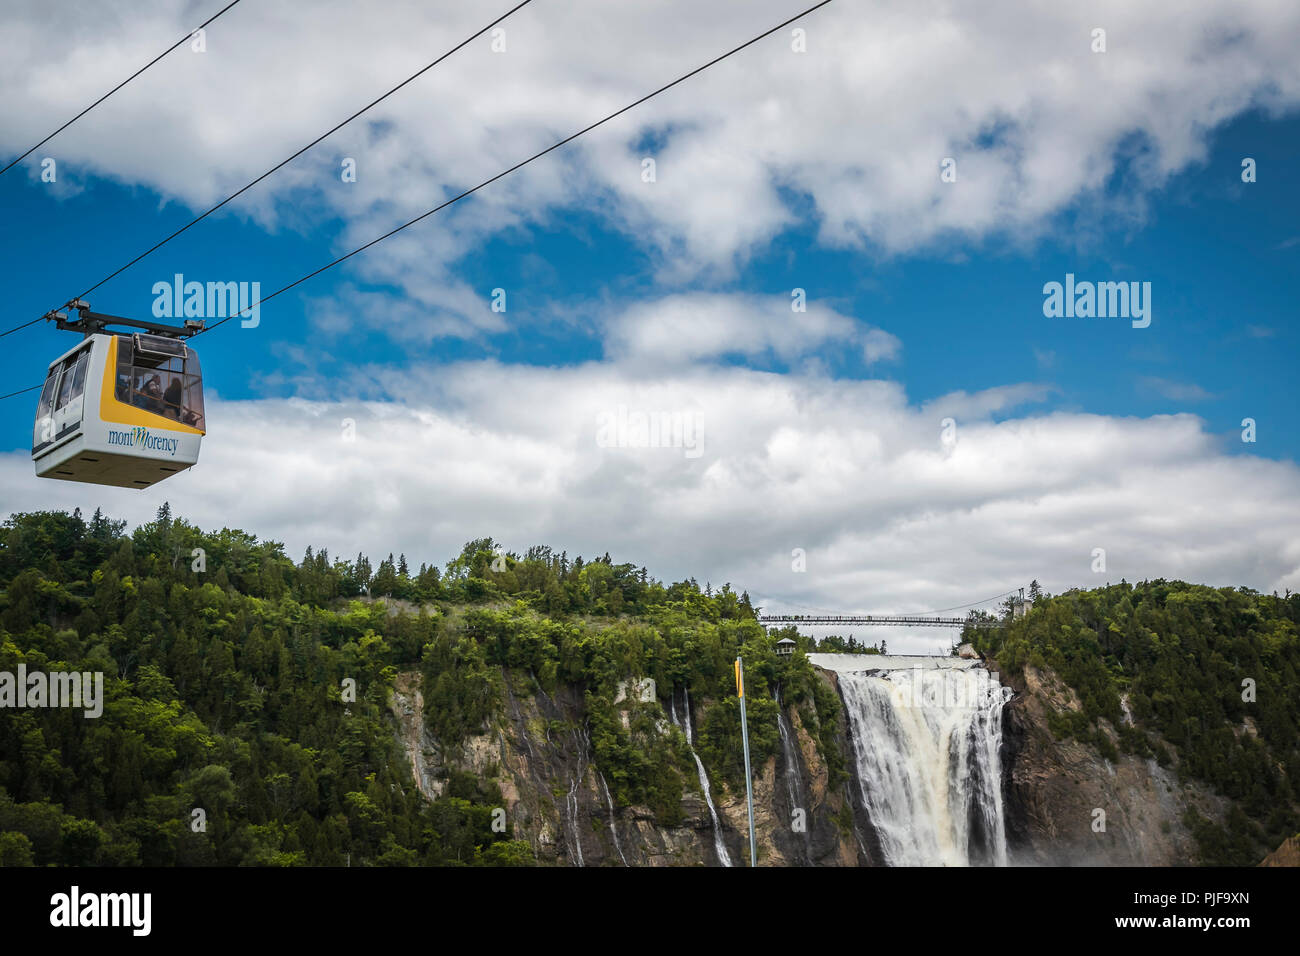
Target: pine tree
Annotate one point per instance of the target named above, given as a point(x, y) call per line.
point(361, 571)
point(385, 581)
point(427, 582)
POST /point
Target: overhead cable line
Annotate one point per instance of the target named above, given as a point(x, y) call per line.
point(118, 87)
point(197, 219)
point(17, 328)
point(29, 388)
point(959, 607)
point(487, 182)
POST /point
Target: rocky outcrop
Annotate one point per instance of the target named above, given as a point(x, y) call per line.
point(558, 801)
point(1068, 805)
point(1288, 854)
point(1065, 804)
point(797, 818)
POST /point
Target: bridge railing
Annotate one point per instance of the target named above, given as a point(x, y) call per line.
point(888, 620)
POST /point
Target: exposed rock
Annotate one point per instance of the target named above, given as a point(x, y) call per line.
point(1054, 790)
point(538, 753)
point(1288, 854)
point(643, 690)
point(407, 705)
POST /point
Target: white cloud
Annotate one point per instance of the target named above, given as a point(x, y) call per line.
point(695, 326)
point(1174, 391)
point(857, 126)
point(845, 139)
point(421, 315)
point(849, 471)
point(880, 346)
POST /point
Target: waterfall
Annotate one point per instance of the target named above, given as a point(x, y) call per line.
point(572, 801)
point(925, 744)
point(719, 847)
point(613, 829)
point(793, 783)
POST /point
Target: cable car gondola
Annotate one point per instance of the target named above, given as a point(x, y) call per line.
point(120, 408)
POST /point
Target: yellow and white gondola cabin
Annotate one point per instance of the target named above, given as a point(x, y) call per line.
point(120, 409)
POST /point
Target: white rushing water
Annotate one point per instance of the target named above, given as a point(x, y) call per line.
point(572, 801)
point(613, 829)
point(719, 847)
point(793, 783)
point(925, 743)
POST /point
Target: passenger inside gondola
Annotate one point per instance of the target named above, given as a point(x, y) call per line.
point(153, 395)
point(172, 399)
point(171, 387)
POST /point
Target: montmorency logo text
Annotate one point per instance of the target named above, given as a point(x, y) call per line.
point(139, 437)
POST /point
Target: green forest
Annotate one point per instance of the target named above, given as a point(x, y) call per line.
point(225, 665)
point(255, 689)
point(1211, 677)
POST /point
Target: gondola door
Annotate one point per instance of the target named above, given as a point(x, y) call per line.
point(69, 399)
point(62, 398)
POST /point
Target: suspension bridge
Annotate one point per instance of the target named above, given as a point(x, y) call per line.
point(889, 620)
point(900, 620)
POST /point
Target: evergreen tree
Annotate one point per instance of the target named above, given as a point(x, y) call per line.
point(385, 581)
point(225, 694)
point(361, 572)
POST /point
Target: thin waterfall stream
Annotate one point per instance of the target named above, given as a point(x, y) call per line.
point(718, 845)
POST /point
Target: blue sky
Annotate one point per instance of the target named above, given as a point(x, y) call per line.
point(776, 170)
point(1223, 258)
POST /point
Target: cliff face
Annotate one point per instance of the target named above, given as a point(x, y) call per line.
point(1067, 805)
point(1288, 854)
point(559, 802)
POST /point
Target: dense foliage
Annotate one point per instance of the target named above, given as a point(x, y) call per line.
point(226, 667)
point(1209, 676)
point(256, 690)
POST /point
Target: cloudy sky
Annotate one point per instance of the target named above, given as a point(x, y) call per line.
point(819, 265)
